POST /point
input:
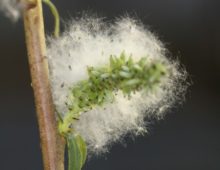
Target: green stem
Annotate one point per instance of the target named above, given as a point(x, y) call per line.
point(56, 17)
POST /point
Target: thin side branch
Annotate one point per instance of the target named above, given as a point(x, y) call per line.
point(55, 13)
point(52, 144)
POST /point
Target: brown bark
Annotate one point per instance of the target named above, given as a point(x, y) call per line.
point(52, 144)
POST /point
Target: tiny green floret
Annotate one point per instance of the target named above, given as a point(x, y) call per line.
point(121, 74)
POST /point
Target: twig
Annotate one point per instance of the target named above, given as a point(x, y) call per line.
point(52, 144)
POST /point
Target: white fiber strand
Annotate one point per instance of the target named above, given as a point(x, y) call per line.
point(11, 8)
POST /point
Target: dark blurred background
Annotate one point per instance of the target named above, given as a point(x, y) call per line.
point(187, 139)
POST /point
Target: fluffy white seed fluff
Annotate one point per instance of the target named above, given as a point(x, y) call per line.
point(90, 42)
point(11, 8)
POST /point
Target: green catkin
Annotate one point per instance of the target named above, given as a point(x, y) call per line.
point(122, 73)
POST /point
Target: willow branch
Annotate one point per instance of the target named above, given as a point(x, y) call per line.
point(52, 144)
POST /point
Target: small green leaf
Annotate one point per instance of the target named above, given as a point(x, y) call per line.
point(132, 82)
point(137, 67)
point(125, 74)
point(83, 149)
point(125, 68)
point(105, 75)
point(77, 152)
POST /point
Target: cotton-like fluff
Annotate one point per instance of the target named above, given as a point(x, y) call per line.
point(90, 42)
point(11, 8)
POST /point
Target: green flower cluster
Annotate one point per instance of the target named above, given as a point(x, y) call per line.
point(122, 74)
